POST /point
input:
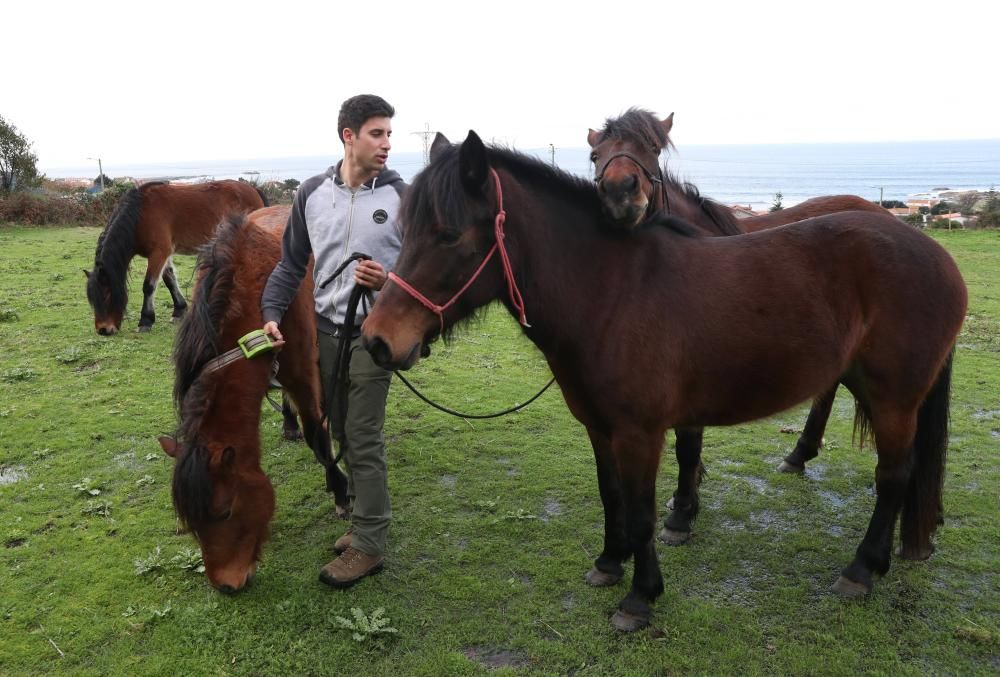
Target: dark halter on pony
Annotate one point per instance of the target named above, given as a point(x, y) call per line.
point(656, 179)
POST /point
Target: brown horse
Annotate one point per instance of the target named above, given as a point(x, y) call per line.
point(776, 317)
point(219, 490)
point(633, 188)
point(154, 221)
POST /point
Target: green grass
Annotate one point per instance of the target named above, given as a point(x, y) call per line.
point(495, 522)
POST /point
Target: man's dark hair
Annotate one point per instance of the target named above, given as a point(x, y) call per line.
point(358, 109)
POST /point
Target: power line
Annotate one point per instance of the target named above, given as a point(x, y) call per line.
point(426, 135)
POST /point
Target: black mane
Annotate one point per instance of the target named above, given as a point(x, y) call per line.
point(197, 339)
point(437, 191)
point(723, 217)
point(115, 249)
point(197, 343)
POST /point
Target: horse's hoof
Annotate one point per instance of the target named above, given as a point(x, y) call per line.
point(342, 512)
point(144, 328)
point(791, 468)
point(915, 554)
point(626, 622)
point(670, 503)
point(848, 589)
point(294, 435)
point(671, 537)
point(601, 579)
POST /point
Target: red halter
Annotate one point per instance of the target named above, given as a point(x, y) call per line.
point(508, 272)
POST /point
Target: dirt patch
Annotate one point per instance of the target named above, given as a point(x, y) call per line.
point(447, 481)
point(494, 659)
point(551, 509)
point(15, 542)
point(11, 474)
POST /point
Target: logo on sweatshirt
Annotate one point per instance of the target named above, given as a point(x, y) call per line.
point(380, 216)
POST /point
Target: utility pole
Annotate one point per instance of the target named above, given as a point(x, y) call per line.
point(426, 135)
point(552, 152)
point(881, 190)
point(100, 171)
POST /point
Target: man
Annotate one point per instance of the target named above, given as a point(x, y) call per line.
point(352, 207)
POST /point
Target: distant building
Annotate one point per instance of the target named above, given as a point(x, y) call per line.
point(742, 212)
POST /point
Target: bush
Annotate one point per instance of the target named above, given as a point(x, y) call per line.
point(61, 207)
point(989, 219)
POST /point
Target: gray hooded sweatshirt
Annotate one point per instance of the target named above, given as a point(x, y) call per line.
point(332, 222)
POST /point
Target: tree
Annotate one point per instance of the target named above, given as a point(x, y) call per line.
point(18, 165)
point(943, 207)
point(893, 204)
point(776, 206)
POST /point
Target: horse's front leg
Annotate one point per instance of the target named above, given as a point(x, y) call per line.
point(607, 569)
point(638, 455)
point(154, 268)
point(170, 280)
point(811, 439)
point(684, 505)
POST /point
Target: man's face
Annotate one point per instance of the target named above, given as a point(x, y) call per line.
point(369, 148)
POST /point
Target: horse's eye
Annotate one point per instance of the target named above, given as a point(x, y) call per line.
point(593, 158)
point(223, 516)
point(448, 236)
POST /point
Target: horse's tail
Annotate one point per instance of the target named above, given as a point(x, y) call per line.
point(263, 198)
point(922, 507)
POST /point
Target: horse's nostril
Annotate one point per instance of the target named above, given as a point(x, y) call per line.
point(227, 589)
point(629, 183)
point(378, 349)
point(104, 331)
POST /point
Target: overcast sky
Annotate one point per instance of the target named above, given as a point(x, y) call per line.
point(140, 82)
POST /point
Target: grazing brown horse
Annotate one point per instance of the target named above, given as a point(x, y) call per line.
point(219, 490)
point(154, 221)
point(864, 300)
point(634, 188)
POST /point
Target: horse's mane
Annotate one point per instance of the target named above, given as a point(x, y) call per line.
point(115, 249)
point(637, 124)
point(263, 198)
point(198, 336)
point(727, 222)
point(197, 343)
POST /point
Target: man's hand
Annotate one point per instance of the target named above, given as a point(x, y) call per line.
point(370, 274)
point(271, 329)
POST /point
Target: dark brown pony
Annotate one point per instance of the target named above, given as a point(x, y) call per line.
point(219, 490)
point(634, 187)
point(154, 221)
point(775, 318)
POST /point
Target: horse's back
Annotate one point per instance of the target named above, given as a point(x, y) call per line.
point(811, 208)
point(184, 216)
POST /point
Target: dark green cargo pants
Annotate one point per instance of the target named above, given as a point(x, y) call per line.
point(364, 455)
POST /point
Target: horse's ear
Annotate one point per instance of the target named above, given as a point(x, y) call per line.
point(169, 445)
point(228, 456)
point(667, 124)
point(86, 273)
point(473, 164)
point(440, 143)
point(593, 136)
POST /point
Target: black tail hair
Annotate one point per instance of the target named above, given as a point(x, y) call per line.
point(923, 500)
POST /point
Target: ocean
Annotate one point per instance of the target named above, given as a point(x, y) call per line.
point(733, 174)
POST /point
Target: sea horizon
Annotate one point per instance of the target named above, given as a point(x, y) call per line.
point(744, 174)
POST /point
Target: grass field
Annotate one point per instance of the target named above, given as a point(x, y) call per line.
point(495, 522)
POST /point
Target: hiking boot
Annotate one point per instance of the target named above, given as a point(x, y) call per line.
point(344, 542)
point(350, 568)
